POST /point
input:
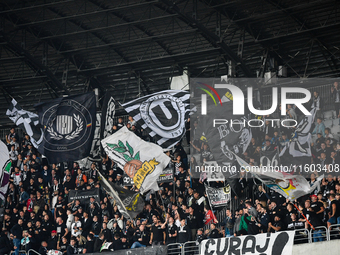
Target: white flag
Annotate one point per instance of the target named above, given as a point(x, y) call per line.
point(142, 161)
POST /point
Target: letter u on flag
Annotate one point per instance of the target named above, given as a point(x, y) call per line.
point(142, 161)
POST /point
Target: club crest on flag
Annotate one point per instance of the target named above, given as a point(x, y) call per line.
point(65, 127)
point(162, 114)
point(134, 168)
point(70, 127)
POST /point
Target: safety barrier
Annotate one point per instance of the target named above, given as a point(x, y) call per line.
point(319, 234)
point(333, 232)
point(190, 248)
point(301, 236)
point(174, 249)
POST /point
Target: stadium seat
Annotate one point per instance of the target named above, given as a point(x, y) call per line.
point(328, 115)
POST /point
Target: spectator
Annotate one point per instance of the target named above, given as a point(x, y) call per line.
point(72, 248)
point(141, 238)
point(184, 233)
point(335, 94)
point(319, 127)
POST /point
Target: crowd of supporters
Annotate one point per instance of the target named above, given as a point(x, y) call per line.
point(38, 215)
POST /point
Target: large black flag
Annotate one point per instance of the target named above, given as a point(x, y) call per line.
point(162, 115)
point(69, 124)
point(129, 203)
point(108, 114)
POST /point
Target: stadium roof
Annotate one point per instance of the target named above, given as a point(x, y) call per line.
point(133, 47)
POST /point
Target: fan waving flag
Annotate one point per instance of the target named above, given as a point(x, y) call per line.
point(129, 203)
point(27, 121)
point(5, 168)
point(142, 161)
point(69, 124)
point(162, 115)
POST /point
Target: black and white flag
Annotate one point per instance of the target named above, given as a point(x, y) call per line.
point(162, 115)
point(298, 151)
point(69, 124)
point(218, 197)
point(27, 121)
point(108, 114)
point(96, 145)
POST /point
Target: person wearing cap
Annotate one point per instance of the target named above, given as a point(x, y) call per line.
point(52, 241)
point(200, 236)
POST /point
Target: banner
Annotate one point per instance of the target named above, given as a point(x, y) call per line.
point(5, 168)
point(279, 243)
point(218, 197)
point(166, 176)
point(129, 203)
point(69, 124)
point(162, 115)
point(108, 114)
point(83, 195)
point(142, 161)
point(96, 146)
point(27, 121)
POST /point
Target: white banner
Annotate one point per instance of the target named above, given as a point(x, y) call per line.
point(279, 243)
point(141, 161)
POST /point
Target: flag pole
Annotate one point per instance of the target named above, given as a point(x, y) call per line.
point(304, 216)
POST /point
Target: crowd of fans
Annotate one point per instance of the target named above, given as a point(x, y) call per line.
point(38, 215)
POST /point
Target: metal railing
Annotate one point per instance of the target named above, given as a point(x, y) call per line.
point(319, 234)
point(190, 248)
point(174, 249)
point(333, 232)
point(302, 236)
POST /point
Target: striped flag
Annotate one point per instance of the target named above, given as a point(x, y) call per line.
point(27, 121)
point(162, 115)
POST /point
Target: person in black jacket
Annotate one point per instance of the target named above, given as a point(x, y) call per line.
point(87, 224)
point(72, 248)
point(193, 222)
point(17, 233)
point(52, 241)
point(89, 246)
point(184, 233)
point(43, 248)
point(98, 243)
point(5, 246)
point(200, 236)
